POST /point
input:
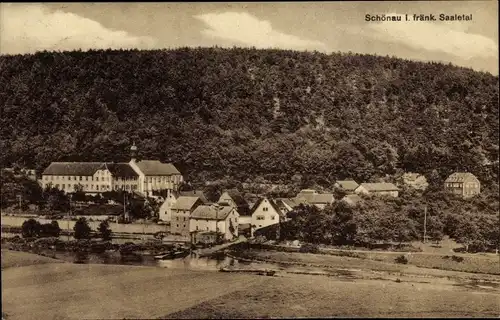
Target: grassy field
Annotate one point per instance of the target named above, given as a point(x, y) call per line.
point(310, 296)
point(34, 288)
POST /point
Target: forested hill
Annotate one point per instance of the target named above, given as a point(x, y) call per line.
point(248, 113)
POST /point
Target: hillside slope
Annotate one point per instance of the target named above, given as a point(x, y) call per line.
point(247, 113)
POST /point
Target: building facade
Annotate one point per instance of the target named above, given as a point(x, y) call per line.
point(380, 189)
point(265, 213)
point(97, 177)
point(463, 184)
point(214, 218)
point(181, 212)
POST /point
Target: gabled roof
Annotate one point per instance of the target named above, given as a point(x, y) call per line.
point(381, 186)
point(240, 202)
point(209, 212)
point(271, 203)
point(121, 170)
point(73, 168)
point(460, 177)
point(156, 168)
point(348, 185)
point(185, 203)
point(283, 203)
point(194, 193)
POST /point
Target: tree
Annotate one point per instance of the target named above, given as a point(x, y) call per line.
point(104, 230)
point(82, 229)
point(467, 232)
point(50, 229)
point(435, 229)
point(31, 228)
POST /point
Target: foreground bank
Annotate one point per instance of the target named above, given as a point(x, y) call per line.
point(50, 290)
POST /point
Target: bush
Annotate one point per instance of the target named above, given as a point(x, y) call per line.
point(401, 259)
point(82, 229)
point(31, 228)
point(309, 248)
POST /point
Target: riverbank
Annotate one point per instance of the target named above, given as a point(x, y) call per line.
point(72, 291)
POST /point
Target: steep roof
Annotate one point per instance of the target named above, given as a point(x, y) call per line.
point(240, 202)
point(185, 203)
point(381, 186)
point(348, 185)
point(156, 168)
point(194, 193)
point(121, 170)
point(271, 203)
point(281, 202)
point(209, 212)
point(73, 168)
point(460, 177)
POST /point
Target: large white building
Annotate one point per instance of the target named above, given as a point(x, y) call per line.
point(144, 176)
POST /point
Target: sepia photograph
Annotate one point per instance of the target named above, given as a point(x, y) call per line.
point(249, 160)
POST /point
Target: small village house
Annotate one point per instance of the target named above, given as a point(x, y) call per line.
point(165, 212)
point(463, 184)
point(348, 186)
point(286, 205)
point(379, 189)
point(181, 212)
point(265, 213)
point(312, 197)
point(235, 199)
point(214, 218)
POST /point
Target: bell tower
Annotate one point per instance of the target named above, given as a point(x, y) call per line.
point(133, 152)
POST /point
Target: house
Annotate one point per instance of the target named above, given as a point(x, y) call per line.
point(351, 199)
point(348, 186)
point(464, 184)
point(141, 177)
point(181, 211)
point(234, 199)
point(265, 213)
point(414, 180)
point(286, 205)
point(312, 197)
point(165, 212)
point(214, 218)
point(381, 188)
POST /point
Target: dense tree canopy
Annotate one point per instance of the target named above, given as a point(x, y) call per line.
point(247, 113)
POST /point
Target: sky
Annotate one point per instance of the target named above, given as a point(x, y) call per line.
point(321, 26)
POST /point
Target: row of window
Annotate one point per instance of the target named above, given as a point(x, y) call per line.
point(74, 178)
point(92, 187)
point(264, 218)
point(162, 179)
point(459, 185)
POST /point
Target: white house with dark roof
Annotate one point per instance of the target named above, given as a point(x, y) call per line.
point(265, 213)
point(215, 218)
point(381, 188)
point(95, 177)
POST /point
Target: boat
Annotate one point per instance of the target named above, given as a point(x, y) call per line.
point(172, 255)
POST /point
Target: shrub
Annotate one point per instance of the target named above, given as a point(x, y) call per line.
point(309, 248)
point(31, 228)
point(401, 259)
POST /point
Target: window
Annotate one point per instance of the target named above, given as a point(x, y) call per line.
point(57, 186)
point(260, 217)
point(80, 178)
point(272, 217)
point(97, 187)
point(177, 226)
point(184, 225)
point(260, 226)
point(196, 228)
point(63, 186)
point(236, 220)
point(92, 186)
point(96, 178)
point(86, 178)
point(265, 209)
